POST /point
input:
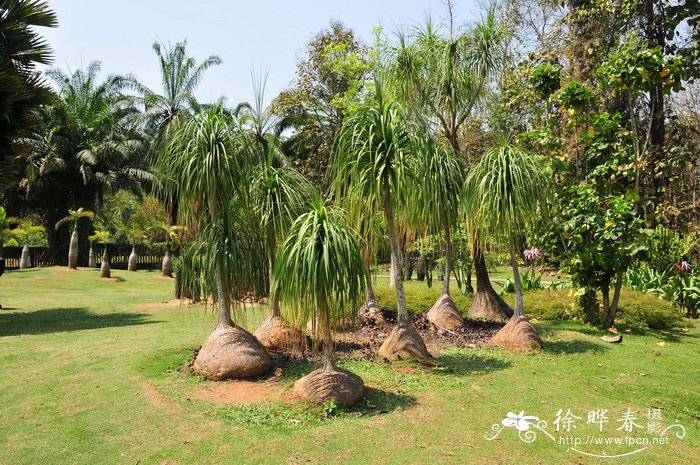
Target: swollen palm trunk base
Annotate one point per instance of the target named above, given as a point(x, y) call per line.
point(91, 259)
point(24, 260)
point(105, 271)
point(276, 332)
point(330, 385)
point(133, 260)
point(404, 343)
point(487, 305)
point(444, 314)
point(231, 353)
point(167, 265)
point(73, 250)
point(517, 335)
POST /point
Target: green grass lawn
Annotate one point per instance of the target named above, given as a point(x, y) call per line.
point(90, 377)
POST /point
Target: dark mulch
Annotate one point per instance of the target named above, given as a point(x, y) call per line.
point(362, 339)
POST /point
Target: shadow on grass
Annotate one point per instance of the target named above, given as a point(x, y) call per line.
point(466, 363)
point(575, 346)
point(56, 320)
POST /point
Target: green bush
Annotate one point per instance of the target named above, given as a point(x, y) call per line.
point(639, 309)
point(419, 298)
point(635, 309)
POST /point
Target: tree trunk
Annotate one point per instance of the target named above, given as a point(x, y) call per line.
point(105, 270)
point(92, 263)
point(392, 273)
point(328, 345)
point(486, 304)
point(73, 249)
point(133, 260)
point(605, 291)
point(274, 296)
point(519, 308)
point(24, 261)
point(167, 266)
point(396, 262)
point(448, 259)
point(616, 297)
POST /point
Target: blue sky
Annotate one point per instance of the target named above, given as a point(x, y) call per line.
point(245, 34)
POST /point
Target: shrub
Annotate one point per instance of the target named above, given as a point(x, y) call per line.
point(419, 298)
point(639, 309)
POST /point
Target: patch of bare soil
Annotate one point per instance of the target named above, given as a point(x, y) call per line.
point(115, 279)
point(238, 392)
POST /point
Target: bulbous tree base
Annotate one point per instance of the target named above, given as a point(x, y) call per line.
point(444, 314)
point(517, 335)
point(105, 270)
point(331, 385)
point(276, 332)
point(404, 343)
point(231, 353)
point(489, 306)
point(372, 315)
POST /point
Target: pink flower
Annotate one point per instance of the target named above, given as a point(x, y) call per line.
point(532, 253)
point(683, 266)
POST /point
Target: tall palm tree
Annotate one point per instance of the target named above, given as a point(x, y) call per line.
point(318, 271)
point(208, 158)
point(163, 111)
point(372, 162)
point(73, 217)
point(444, 77)
point(506, 196)
point(180, 76)
point(21, 88)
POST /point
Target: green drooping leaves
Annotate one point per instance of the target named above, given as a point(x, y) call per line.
point(319, 268)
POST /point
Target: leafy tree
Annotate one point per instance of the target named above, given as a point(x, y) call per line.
point(26, 232)
point(319, 270)
point(209, 158)
point(603, 236)
point(22, 89)
point(328, 79)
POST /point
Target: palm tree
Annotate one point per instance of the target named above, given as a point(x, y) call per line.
point(444, 77)
point(73, 217)
point(92, 262)
point(279, 195)
point(208, 158)
point(25, 231)
point(318, 271)
point(23, 89)
point(440, 173)
point(506, 195)
point(372, 162)
point(180, 76)
point(132, 236)
point(170, 234)
point(104, 238)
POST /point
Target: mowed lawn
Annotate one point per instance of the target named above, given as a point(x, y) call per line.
point(89, 376)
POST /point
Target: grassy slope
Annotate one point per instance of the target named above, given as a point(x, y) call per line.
point(85, 380)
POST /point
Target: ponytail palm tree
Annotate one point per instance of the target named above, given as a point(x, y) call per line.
point(279, 195)
point(440, 173)
point(73, 217)
point(506, 195)
point(208, 160)
point(171, 236)
point(374, 152)
point(319, 271)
